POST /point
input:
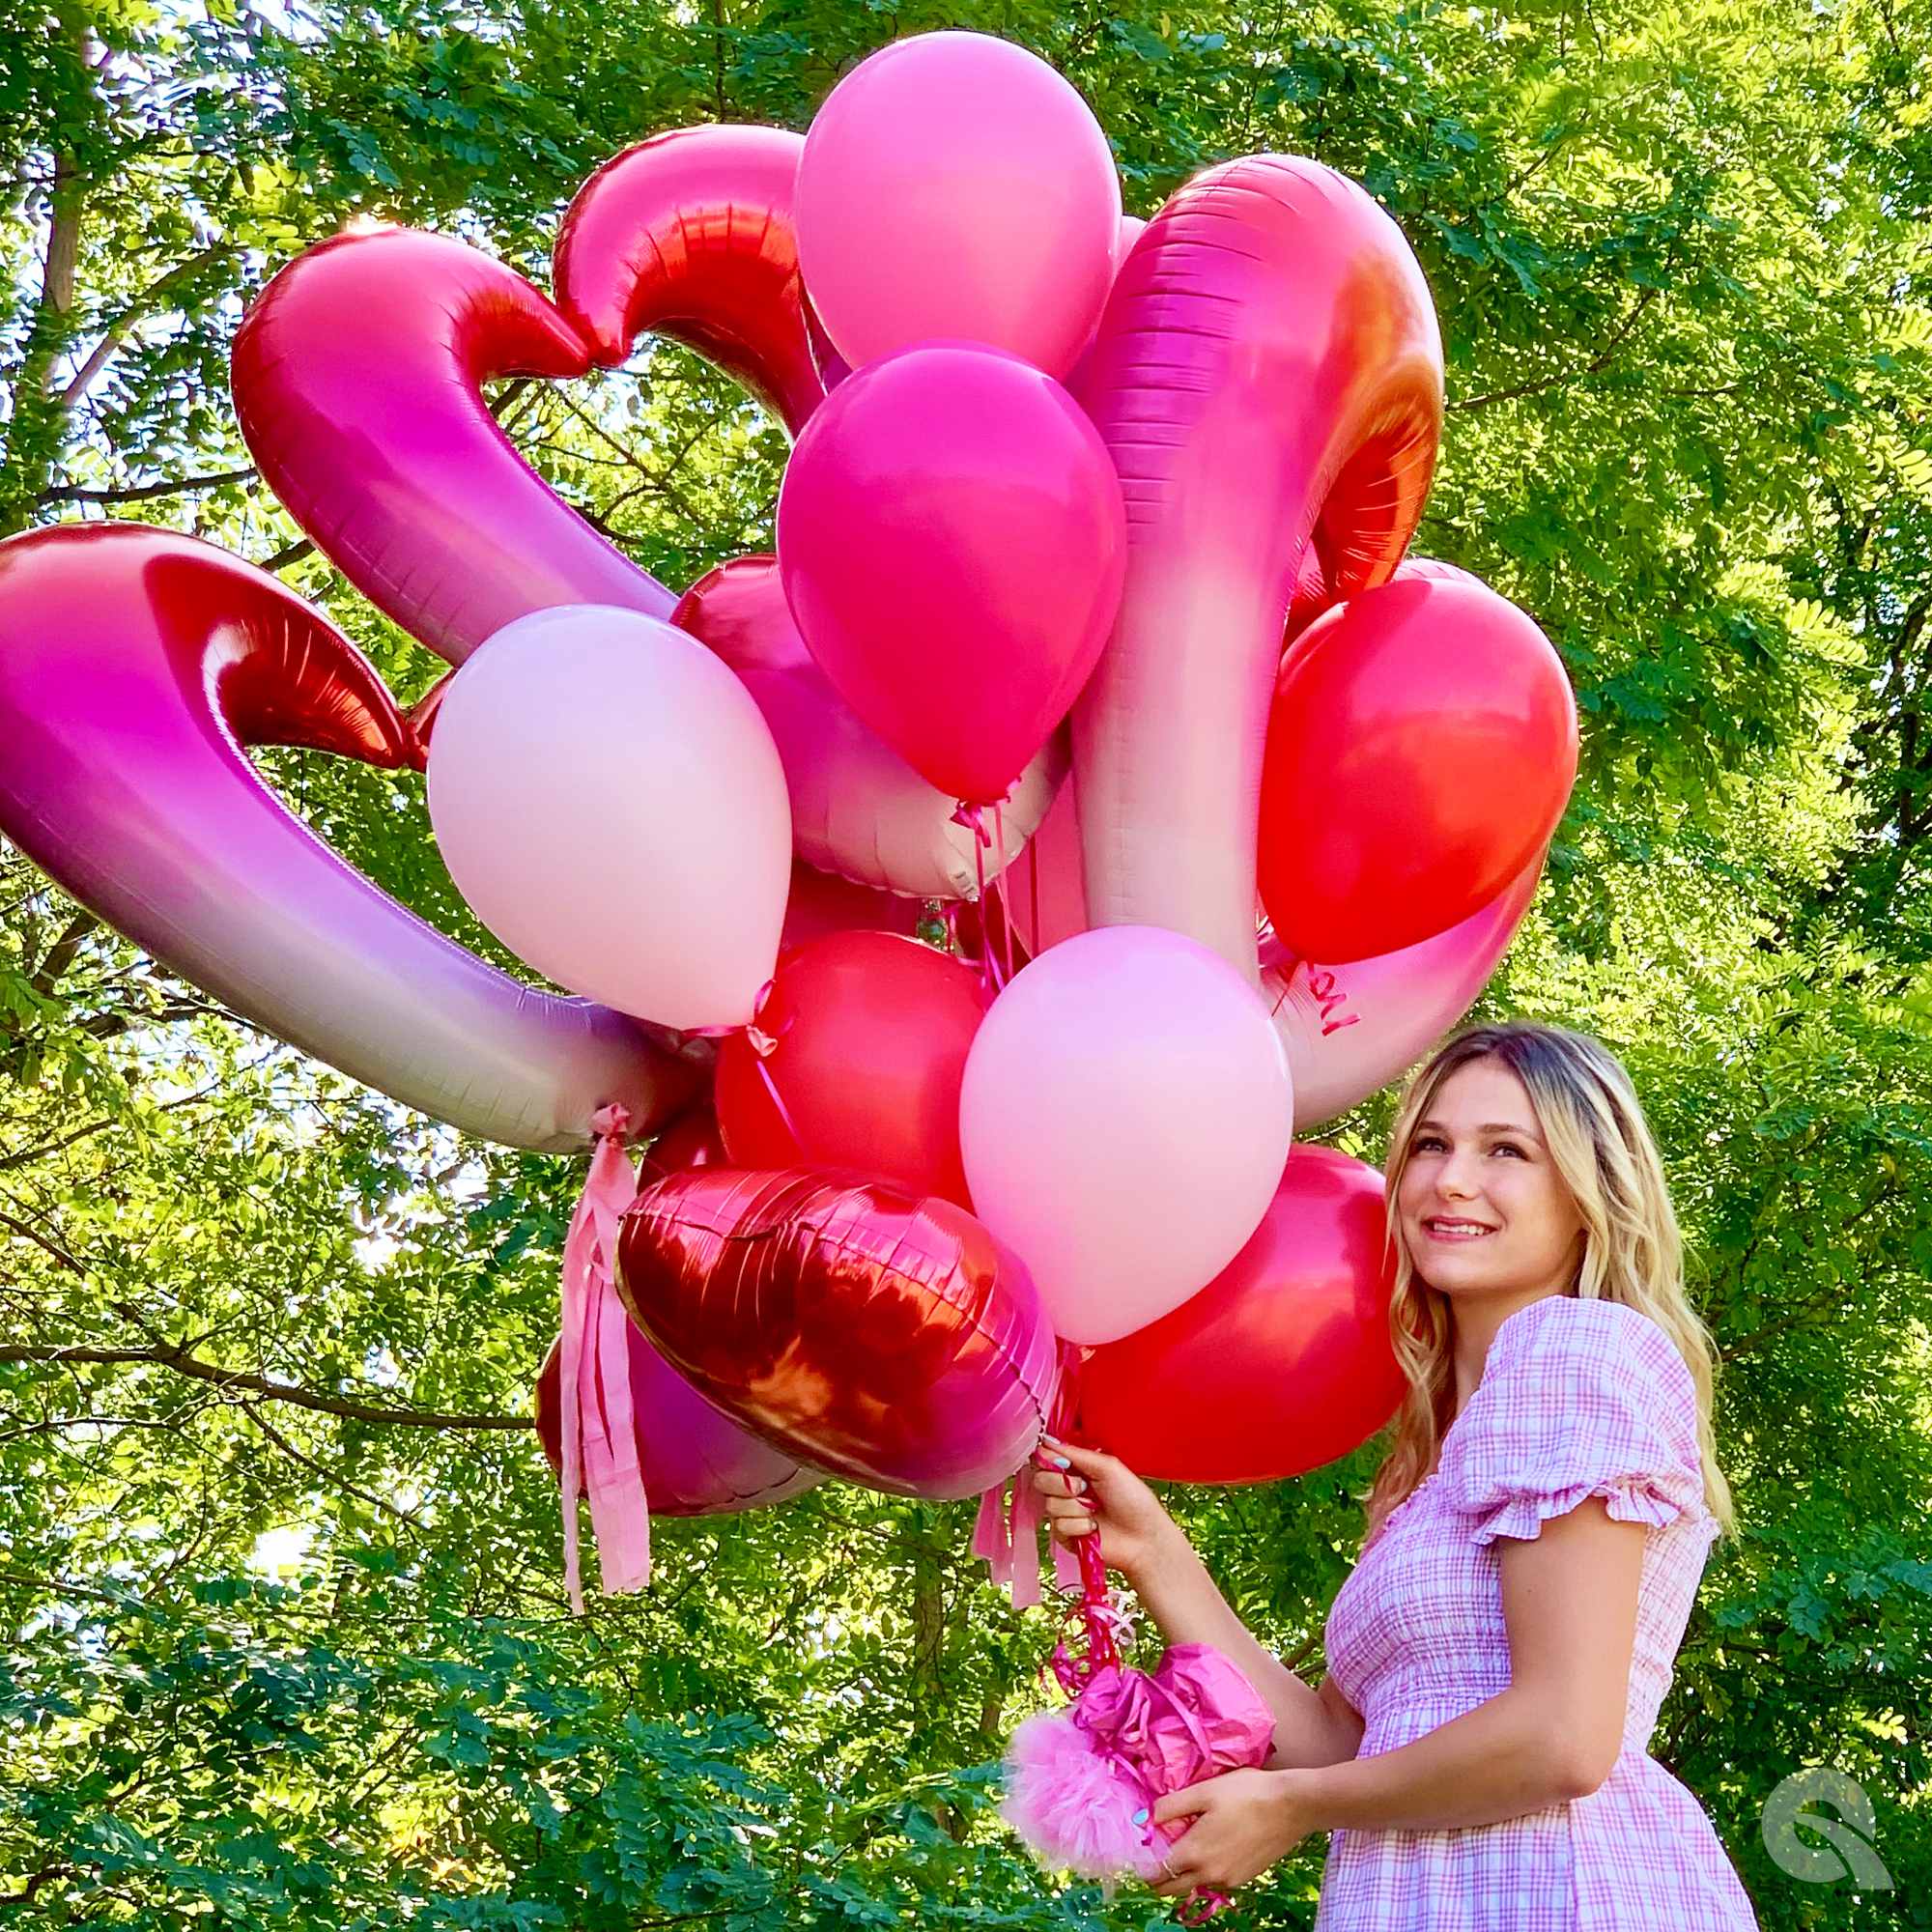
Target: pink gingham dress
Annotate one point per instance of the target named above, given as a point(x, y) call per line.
point(1579, 1398)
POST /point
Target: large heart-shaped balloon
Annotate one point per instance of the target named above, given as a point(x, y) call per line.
point(849, 1323)
point(857, 808)
point(1282, 1363)
point(134, 666)
point(695, 1460)
point(358, 376)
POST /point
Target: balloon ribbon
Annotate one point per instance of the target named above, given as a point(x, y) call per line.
point(1007, 1531)
point(599, 1422)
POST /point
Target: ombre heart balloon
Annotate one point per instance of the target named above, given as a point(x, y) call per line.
point(854, 1325)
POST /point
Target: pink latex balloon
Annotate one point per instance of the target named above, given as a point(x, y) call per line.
point(857, 808)
point(135, 666)
point(1125, 1117)
point(955, 185)
point(357, 379)
point(1351, 1030)
point(950, 537)
point(1268, 367)
point(610, 805)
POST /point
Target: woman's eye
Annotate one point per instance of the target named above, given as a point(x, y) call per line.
point(1427, 1144)
point(1505, 1147)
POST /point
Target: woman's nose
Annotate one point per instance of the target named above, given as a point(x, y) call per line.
point(1458, 1174)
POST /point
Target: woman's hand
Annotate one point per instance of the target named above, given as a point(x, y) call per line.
point(1244, 1822)
point(1086, 1490)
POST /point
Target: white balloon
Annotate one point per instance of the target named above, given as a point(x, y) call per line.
point(1124, 1118)
point(609, 801)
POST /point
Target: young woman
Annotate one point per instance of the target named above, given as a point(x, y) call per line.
point(1535, 1540)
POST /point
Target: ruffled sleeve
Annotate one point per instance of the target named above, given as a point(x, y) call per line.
point(1579, 1398)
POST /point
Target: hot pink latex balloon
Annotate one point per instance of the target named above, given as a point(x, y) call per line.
point(857, 808)
point(950, 537)
point(1351, 1030)
point(852, 1324)
point(1125, 1117)
point(358, 378)
point(1282, 1363)
point(1420, 752)
point(609, 801)
point(1268, 367)
point(135, 664)
point(955, 185)
point(690, 235)
point(695, 1460)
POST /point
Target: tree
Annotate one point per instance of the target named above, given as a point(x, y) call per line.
point(1679, 261)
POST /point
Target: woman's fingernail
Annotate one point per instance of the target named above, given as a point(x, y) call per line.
point(1141, 1816)
point(1060, 1461)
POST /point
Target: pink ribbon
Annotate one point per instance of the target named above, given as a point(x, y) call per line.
point(597, 1416)
point(1007, 1529)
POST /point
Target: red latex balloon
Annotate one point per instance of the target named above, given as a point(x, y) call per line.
point(692, 1140)
point(823, 902)
point(696, 1461)
point(867, 1035)
point(1281, 1363)
point(951, 540)
point(858, 1327)
point(1420, 752)
point(690, 235)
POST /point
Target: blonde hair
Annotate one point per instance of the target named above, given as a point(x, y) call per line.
point(1631, 1251)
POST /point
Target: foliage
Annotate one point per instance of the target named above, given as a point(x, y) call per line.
point(1679, 255)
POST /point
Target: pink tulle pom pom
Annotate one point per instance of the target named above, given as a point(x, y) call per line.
point(1072, 1806)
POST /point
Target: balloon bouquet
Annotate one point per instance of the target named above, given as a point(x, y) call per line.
point(1090, 629)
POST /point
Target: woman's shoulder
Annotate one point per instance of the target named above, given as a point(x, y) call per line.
point(1589, 1334)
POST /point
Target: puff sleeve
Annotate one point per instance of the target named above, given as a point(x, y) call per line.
point(1579, 1398)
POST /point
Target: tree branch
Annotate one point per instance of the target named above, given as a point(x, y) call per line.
point(142, 304)
point(1595, 368)
point(138, 493)
point(181, 1363)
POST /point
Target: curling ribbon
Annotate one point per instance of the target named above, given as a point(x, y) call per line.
point(1006, 1530)
point(597, 1417)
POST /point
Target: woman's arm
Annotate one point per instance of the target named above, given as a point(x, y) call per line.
point(1100, 1494)
point(1570, 1601)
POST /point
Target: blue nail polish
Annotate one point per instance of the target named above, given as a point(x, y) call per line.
point(1060, 1461)
point(1141, 1816)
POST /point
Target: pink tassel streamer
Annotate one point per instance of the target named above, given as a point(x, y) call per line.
point(596, 1410)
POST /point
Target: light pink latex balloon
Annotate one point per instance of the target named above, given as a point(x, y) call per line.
point(954, 184)
point(952, 537)
point(609, 803)
point(1124, 1118)
point(1351, 1030)
point(857, 808)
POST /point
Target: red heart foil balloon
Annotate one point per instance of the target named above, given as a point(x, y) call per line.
point(854, 1325)
point(695, 1460)
point(1420, 752)
point(1282, 1363)
point(855, 1060)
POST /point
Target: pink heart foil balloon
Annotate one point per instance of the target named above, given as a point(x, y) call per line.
point(695, 1460)
point(357, 379)
point(134, 666)
point(1267, 373)
point(857, 808)
point(854, 1325)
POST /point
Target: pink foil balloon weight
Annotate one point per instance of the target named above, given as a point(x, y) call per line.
point(1124, 1118)
point(952, 541)
point(609, 803)
point(954, 184)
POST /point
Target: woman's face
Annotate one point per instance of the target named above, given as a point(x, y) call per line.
point(1481, 1204)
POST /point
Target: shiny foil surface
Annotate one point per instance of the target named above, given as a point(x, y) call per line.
point(695, 1460)
point(871, 1333)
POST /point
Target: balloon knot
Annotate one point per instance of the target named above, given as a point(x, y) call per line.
point(611, 1123)
point(761, 1041)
